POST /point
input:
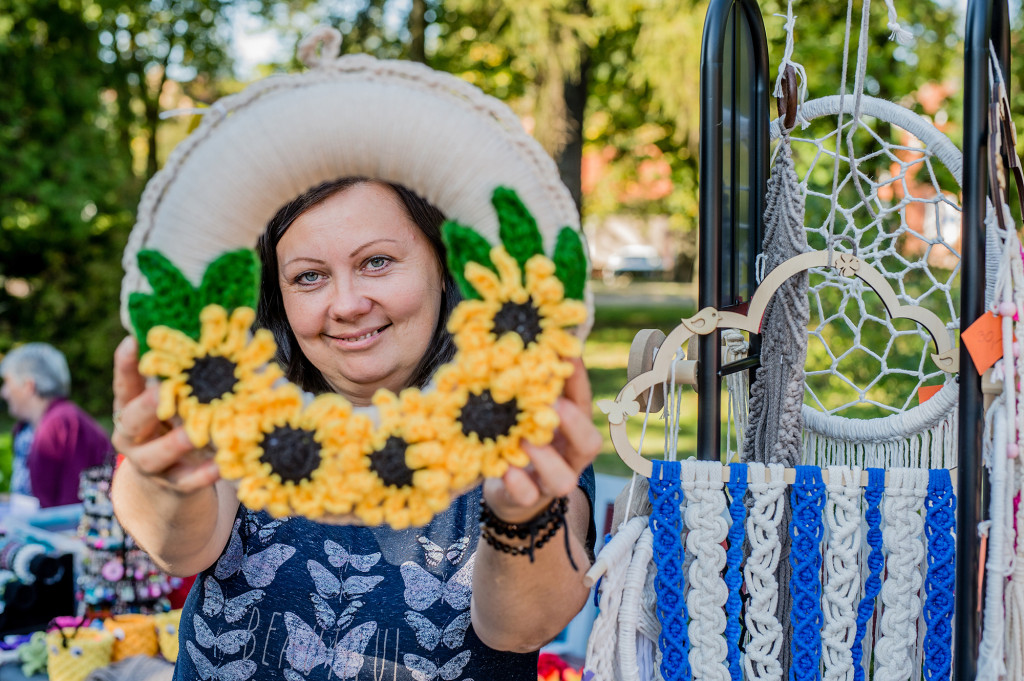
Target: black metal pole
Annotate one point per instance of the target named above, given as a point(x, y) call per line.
point(985, 19)
point(709, 407)
point(747, 26)
point(759, 145)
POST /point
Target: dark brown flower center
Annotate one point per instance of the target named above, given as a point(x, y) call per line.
point(389, 463)
point(522, 318)
point(292, 453)
point(211, 377)
point(487, 418)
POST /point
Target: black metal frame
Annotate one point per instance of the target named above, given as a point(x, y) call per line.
point(987, 20)
point(737, 25)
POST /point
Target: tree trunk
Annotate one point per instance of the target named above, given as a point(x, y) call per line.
point(153, 122)
point(418, 31)
point(570, 158)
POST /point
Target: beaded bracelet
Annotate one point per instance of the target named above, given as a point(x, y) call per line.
point(540, 529)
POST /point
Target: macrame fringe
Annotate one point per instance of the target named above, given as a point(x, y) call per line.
point(925, 437)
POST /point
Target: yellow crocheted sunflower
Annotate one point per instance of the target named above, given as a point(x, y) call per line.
point(203, 379)
point(499, 404)
point(517, 316)
point(406, 474)
point(294, 458)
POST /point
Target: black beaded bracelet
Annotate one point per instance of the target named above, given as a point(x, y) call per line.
point(540, 530)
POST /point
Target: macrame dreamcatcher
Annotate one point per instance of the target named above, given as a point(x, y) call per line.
point(514, 247)
point(840, 529)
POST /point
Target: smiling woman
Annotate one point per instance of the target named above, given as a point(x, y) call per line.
point(354, 281)
point(390, 398)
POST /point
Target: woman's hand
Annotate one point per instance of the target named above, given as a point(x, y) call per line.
point(158, 452)
point(555, 469)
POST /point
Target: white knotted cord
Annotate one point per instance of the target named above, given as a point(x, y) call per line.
point(648, 629)
point(632, 606)
point(705, 601)
point(787, 60)
point(761, 660)
point(1015, 589)
point(738, 389)
point(898, 33)
point(842, 572)
point(903, 539)
point(999, 434)
point(602, 644)
point(991, 652)
point(640, 444)
point(672, 409)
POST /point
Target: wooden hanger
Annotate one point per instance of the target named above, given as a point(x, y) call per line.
point(633, 395)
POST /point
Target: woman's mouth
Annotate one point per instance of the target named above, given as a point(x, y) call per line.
point(361, 338)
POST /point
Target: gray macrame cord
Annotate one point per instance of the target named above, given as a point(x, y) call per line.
point(775, 423)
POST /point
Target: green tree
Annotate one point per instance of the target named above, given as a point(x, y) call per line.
point(65, 194)
point(147, 43)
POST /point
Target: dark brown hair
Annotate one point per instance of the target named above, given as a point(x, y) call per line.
point(270, 312)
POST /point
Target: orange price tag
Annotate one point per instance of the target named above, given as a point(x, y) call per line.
point(984, 340)
point(927, 392)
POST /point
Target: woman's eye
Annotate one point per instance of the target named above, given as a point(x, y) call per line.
point(308, 278)
point(378, 262)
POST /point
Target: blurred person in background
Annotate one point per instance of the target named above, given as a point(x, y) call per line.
point(54, 440)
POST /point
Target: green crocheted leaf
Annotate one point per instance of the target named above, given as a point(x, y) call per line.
point(570, 262)
point(164, 278)
point(517, 228)
point(173, 302)
point(231, 281)
point(464, 246)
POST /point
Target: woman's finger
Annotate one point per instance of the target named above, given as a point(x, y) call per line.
point(159, 455)
point(577, 386)
point(513, 496)
point(137, 421)
point(553, 474)
point(128, 382)
point(187, 478)
point(577, 438)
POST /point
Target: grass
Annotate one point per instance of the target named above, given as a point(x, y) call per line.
point(606, 356)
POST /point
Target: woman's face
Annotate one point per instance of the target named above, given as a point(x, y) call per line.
point(361, 288)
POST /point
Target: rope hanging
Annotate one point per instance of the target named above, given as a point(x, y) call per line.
point(765, 516)
point(707, 595)
point(667, 527)
point(876, 561)
point(734, 558)
point(806, 531)
point(904, 545)
point(940, 581)
point(842, 572)
point(774, 423)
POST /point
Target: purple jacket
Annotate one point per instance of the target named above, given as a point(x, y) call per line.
point(66, 442)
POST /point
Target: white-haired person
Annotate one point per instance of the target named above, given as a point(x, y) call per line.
point(54, 439)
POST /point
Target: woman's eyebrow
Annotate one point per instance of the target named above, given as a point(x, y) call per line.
point(303, 258)
point(370, 243)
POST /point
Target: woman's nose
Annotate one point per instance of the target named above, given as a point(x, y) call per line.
point(349, 299)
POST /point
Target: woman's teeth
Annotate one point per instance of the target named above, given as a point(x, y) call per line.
point(363, 337)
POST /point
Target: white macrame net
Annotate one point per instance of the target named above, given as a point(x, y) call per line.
point(907, 225)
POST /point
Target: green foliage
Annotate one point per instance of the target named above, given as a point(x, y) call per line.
point(465, 245)
point(6, 461)
point(66, 194)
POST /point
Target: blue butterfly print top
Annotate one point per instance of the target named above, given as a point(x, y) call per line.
point(295, 599)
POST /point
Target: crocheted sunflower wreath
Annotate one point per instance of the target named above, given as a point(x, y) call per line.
point(292, 453)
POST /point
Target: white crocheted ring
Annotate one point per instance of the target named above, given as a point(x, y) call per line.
point(400, 122)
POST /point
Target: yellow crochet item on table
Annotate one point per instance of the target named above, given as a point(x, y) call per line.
point(133, 635)
point(167, 633)
point(72, 654)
